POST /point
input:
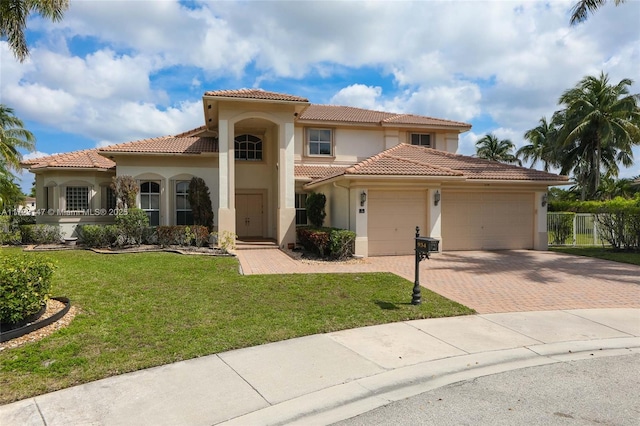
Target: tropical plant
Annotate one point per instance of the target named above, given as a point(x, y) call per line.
point(200, 201)
point(599, 126)
point(13, 135)
point(315, 208)
point(13, 20)
point(580, 11)
point(542, 146)
point(491, 148)
point(10, 192)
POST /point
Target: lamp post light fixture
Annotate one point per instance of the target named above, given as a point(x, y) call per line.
point(363, 198)
point(545, 199)
point(436, 198)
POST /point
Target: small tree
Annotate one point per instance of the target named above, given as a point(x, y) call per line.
point(315, 208)
point(200, 201)
point(126, 189)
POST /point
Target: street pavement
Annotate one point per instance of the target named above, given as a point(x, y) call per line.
point(599, 390)
point(323, 379)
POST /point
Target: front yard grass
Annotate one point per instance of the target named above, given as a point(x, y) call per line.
point(148, 309)
point(602, 253)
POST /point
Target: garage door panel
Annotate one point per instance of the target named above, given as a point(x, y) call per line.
point(392, 219)
point(487, 221)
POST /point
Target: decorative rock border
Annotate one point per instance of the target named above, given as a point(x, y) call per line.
point(31, 327)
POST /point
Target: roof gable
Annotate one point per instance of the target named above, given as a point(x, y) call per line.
point(255, 94)
point(85, 159)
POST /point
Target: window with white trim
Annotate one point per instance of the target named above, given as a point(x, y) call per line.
point(301, 209)
point(319, 142)
point(150, 201)
point(184, 214)
point(77, 198)
point(248, 147)
point(111, 200)
point(421, 139)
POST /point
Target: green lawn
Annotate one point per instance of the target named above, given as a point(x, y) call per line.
point(149, 309)
point(602, 253)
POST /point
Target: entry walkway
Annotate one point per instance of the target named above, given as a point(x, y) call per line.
point(488, 281)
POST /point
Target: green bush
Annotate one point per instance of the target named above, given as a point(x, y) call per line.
point(327, 242)
point(40, 234)
point(200, 202)
point(561, 229)
point(9, 232)
point(341, 243)
point(182, 235)
point(315, 208)
point(132, 225)
point(25, 286)
point(98, 235)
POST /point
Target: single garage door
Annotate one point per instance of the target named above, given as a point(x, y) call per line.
point(392, 220)
point(487, 220)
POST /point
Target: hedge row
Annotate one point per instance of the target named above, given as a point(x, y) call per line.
point(182, 235)
point(333, 243)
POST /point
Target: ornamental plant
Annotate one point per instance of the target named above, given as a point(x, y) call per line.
point(25, 286)
point(200, 202)
point(315, 208)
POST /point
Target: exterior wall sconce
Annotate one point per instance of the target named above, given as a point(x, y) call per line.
point(363, 198)
point(436, 198)
point(545, 199)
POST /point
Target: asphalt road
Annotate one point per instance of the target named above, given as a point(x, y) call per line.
point(598, 391)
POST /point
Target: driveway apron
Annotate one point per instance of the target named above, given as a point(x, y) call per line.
point(487, 281)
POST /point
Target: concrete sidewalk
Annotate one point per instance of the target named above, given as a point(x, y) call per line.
point(325, 378)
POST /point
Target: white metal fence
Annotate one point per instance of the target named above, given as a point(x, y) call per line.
point(574, 229)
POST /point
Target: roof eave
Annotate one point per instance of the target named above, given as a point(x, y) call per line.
point(317, 182)
point(523, 181)
point(241, 99)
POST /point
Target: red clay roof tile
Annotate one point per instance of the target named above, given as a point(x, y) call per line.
point(255, 94)
point(167, 145)
point(85, 159)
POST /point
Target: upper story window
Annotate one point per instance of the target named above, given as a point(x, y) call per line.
point(77, 198)
point(150, 201)
point(248, 147)
point(319, 141)
point(421, 139)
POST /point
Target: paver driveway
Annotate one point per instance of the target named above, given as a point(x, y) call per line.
point(489, 282)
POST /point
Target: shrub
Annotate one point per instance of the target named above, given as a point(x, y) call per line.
point(341, 243)
point(40, 234)
point(200, 202)
point(561, 228)
point(183, 235)
point(9, 232)
point(225, 240)
point(315, 208)
point(25, 285)
point(132, 226)
point(98, 235)
point(327, 242)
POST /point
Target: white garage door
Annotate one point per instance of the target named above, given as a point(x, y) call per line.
point(392, 220)
point(487, 220)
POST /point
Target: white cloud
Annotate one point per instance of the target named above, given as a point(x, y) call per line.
point(358, 95)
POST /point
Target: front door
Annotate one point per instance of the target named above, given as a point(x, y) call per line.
point(249, 214)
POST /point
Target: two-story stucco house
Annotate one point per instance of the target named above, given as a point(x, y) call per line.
point(261, 153)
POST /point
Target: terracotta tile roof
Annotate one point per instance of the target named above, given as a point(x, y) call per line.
point(255, 94)
point(86, 159)
point(409, 160)
point(191, 132)
point(167, 145)
point(316, 171)
point(358, 115)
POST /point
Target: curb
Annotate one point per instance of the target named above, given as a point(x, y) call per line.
point(350, 399)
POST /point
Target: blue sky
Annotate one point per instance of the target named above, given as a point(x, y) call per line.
point(118, 71)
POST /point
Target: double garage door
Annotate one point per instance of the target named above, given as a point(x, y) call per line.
point(470, 220)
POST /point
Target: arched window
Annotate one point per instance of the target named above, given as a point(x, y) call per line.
point(248, 147)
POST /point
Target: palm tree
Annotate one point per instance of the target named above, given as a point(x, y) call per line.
point(600, 125)
point(12, 136)
point(581, 10)
point(13, 20)
point(490, 147)
point(542, 146)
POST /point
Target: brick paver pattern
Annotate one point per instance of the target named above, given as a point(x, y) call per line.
point(488, 281)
